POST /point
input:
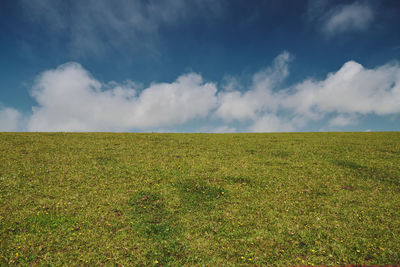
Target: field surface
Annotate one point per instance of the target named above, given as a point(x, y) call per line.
point(199, 199)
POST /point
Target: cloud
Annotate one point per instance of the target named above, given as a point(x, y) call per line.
point(237, 105)
point(352, 90)
point(342, 120)
point(352, 17)
point(70, 99)
point(223, 129)
point(333, 20)
point(10, 119)
point(217, 129)
point(95, 26)
point(271, 123)
point(349, 93)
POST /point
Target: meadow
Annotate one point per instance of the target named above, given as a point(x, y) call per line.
point(199, 199)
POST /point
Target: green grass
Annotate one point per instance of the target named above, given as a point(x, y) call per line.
point(199, 199)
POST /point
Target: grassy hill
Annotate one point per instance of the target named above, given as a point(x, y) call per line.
point(213, 199)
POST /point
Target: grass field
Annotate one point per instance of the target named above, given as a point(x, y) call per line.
point(205, 199)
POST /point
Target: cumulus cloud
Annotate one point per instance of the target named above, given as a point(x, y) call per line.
point(271, 123)
point(350, 92)
point(260, 98)
point(70, 99)
point(353, 89)
point(342, 120)
point(11, 119)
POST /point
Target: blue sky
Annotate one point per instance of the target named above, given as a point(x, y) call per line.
point(199, 66)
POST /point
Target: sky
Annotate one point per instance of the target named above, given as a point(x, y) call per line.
point(199, 65)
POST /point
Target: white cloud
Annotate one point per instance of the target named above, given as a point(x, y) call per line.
point(342, 120)
point(352, 90)
point(10, 119)
point(223, 129)
point(231, 83)
point(347, 18)
point(260, 98)
point(271, 123)
point(217, 129)
point(71, 100)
